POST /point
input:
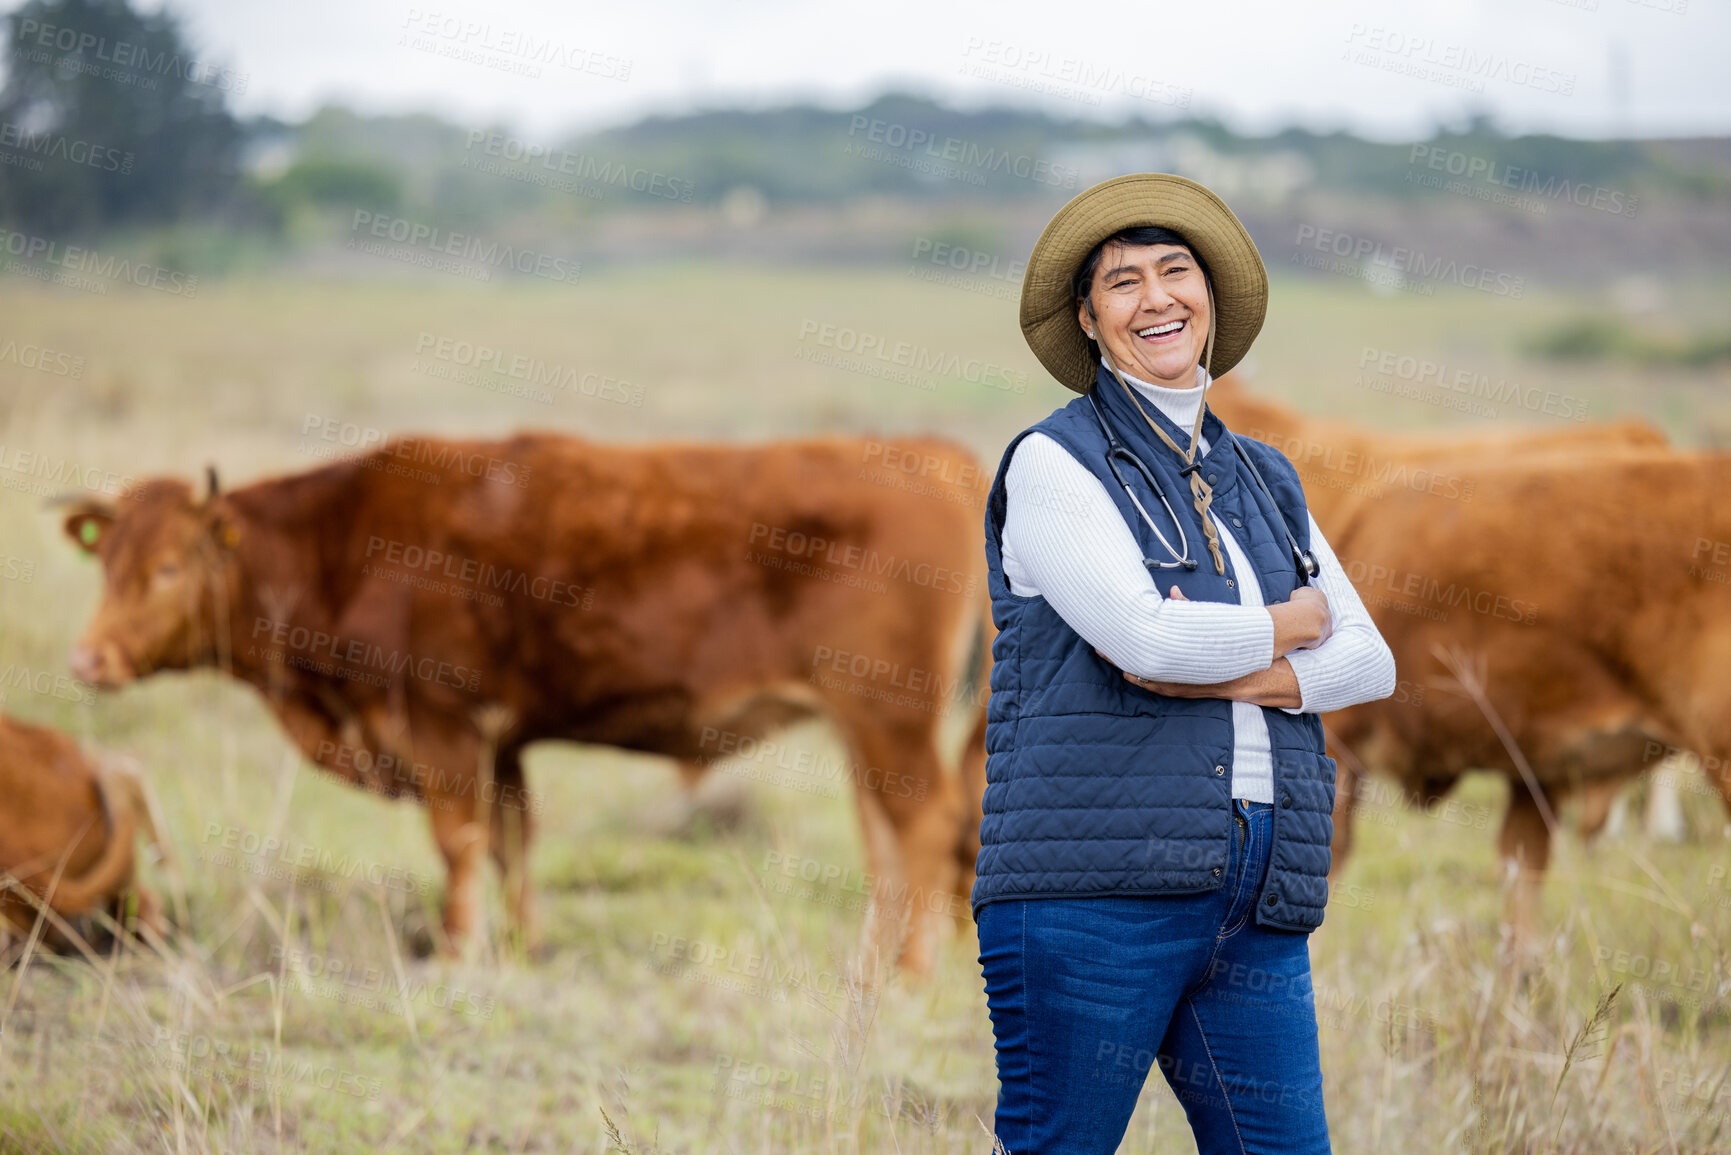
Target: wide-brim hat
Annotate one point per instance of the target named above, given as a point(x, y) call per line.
point(1235, 269)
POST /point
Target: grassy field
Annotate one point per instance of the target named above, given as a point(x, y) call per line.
point(699, 993)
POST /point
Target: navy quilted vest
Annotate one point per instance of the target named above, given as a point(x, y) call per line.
point(1097, 787)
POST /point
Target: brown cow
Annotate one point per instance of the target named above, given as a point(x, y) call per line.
point(1340, 460)
point(418, 615)
point(1586, 593)
point(68, 821)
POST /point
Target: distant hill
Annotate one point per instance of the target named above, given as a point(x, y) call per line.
point(912, 147)
point(805, 183)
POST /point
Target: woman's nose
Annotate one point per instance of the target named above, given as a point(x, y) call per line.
point(1155, 298)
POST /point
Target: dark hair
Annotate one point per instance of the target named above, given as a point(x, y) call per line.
point(1135, 235)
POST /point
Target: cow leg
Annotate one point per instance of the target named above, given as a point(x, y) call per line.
point(910, 812)
point(1596, 799)
point(1347, 774)
point(973, 776)
point(455, 799)
point(1525, 844)
point(512, 829)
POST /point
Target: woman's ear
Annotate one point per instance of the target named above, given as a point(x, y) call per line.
point(1085, 316)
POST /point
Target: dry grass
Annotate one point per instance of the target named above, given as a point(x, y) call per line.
point(636, 1032)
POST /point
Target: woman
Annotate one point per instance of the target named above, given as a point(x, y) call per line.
point(1155, 845)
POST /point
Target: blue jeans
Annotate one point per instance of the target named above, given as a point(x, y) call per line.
point(1087, 994)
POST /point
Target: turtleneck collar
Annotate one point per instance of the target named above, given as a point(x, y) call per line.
point(1179, 405)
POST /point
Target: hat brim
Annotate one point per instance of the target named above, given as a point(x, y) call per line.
point(1240, 281)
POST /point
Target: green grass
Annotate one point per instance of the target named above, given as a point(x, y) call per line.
point(676, 961)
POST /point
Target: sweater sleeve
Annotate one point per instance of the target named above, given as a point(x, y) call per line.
point(1072, 547)
point(1354, 665)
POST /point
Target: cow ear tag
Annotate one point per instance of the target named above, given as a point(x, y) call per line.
point(89, 531)
point(230, 536)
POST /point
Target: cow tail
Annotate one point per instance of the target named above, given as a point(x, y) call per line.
point(112, 869)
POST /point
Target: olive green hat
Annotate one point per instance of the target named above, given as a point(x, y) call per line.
point(1239, 281)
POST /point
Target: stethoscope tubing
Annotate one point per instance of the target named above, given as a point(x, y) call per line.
point(1303, 559)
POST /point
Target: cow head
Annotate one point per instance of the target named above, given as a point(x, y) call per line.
point(165, 560)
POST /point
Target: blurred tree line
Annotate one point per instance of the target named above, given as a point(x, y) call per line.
point(109, 119)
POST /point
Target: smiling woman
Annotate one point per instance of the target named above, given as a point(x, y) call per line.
point(1157, 815)
point(1164, 348)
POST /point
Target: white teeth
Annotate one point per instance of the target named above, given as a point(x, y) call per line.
point(1157, 330)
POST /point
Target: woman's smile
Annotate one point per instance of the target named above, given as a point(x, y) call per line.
point(1164, 333)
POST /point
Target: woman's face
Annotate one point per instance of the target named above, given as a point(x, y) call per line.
point(1150, 312)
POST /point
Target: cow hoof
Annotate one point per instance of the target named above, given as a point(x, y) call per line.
point(420, 942)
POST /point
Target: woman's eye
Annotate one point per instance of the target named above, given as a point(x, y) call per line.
point(1123, 283)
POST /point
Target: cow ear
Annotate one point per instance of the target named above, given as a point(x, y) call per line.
point(88, 525)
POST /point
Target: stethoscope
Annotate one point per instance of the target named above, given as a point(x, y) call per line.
point(1117, 451)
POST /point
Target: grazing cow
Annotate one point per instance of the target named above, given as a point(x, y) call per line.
point(1338, 460)
point(1342, 464)
point(417, 615)
point(68, 821)
point(1580, 603)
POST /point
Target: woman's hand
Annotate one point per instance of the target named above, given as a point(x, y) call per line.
point(1275, 686)
point(1303, 622)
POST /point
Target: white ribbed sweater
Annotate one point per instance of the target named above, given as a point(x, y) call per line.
point(1065, 540)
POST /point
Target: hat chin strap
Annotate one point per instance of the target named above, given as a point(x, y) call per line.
point(1201, 493)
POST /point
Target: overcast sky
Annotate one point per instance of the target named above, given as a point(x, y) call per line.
point(1383, 68)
